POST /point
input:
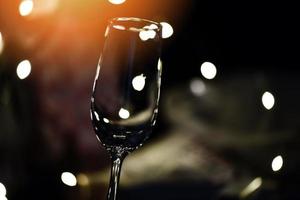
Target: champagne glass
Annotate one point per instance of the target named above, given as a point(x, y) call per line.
point(126, 89)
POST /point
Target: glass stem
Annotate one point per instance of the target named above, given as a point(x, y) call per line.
point(114, 177)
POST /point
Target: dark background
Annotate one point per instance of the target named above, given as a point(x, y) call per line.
point(203, 147)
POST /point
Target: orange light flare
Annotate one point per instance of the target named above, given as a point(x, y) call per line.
point(77, 26)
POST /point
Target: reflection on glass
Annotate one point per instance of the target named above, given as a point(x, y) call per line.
point(197, 87)
point(68, 179)
point(25, 7)
point(97, 116)
point(105, 120)
point(208, 70)
point(138, 82)
point(119, 27)
point(2, 190)
point(23, 69)
point(159, 65)
point(1, 43)
point(277, 163)
point(116, 1)
point(167, 30)
point(253, 185)
point(268, 100)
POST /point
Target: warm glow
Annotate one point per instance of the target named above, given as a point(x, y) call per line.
point(1, 43)
point(197, 87)
point(83, 180)
point(254, 185)
point(116, 1)
point(26, 7)
point(123, 113)
point(277, 163)
point(23, 69)
point(208, 70)
point(268, 100)
point(44, 7)
point(138, 82)
point(2, 190)
point(68, 179)
point(167, 30)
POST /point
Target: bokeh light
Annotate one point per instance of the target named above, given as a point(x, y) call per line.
point(123, 113)
point(2, 190)
point(138, 82)
point(105, 120)
point(3, 198)
point(68, 179)
point(1, 43)
point(23, 69)
point(26, 7)
point(167, 30)
point(208, 70)
point(253, 185)
point(147, 34)
point(197, 87)
point(116, 1)
point(277, 163)
point(268, 100)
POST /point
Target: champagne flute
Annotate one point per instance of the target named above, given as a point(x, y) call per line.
point(126, 90)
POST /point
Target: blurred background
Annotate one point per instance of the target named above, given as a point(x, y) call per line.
point(228, 125)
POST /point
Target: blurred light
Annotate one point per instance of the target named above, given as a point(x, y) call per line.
point(268, 100)
point(119, 27)
point(23, 69)
point(116, 1)
point(208, 70)
point(197, 87)
point(254, 185)
point(83, 180)
point(3, 198)
point(26, 7)
point(147, 34)
point(1, 43)
point(68, 179)
point(2, 190)
point(123, 113)
point(138, 82)
point(167, 30)
point(277, 163)
point(105, 120)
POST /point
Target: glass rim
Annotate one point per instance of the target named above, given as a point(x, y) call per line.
point(157, 26)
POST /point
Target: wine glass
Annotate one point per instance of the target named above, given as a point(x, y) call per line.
point(126, 89)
